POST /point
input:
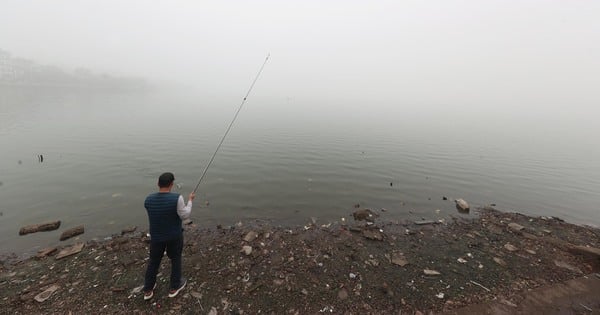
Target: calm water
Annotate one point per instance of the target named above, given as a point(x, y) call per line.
point(286, 160)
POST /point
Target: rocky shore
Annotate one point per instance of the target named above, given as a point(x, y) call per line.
point(355, 267)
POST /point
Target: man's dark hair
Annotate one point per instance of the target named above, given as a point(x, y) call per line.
point(165, 179)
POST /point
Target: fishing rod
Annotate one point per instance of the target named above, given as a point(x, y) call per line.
point(232, 121)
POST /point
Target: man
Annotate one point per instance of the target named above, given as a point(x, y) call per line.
point(165, 212)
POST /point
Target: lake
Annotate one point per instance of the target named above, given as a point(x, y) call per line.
point(287, 159)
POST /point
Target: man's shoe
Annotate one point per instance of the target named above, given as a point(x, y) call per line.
point(173, 293)
point(149, 294)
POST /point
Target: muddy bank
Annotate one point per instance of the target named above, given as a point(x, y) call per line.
point(354, 268)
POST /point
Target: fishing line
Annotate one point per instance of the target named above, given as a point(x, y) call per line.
point(231, 124)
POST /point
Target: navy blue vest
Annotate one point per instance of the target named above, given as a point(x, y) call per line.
point(165, 223)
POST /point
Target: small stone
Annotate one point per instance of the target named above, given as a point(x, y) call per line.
point(251, 236)
point(532, 252)
point(187, 222)
point(213, 311)
point(462, 205)
point(196, 295)
point(430, 272)
point(515, 226)
point(372, 234)
point(343, 294)
point(399, 259)
point(439, 295)
point(247, 249)
point(567, 266)
point(461, 260)
point(509, 247)
point(43, 296)
point(130, 229)
point(500, 261)
point(508, 303)
point(137, 289)
point(304, 291)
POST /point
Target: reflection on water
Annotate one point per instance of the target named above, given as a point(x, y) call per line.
point(103, 153)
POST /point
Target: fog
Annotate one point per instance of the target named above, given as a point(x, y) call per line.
point(481, 55)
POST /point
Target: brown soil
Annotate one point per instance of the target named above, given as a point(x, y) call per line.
point(354, 269)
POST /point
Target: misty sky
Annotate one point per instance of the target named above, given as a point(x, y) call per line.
point(545, 53)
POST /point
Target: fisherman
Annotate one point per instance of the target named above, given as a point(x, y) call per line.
point(165, 212)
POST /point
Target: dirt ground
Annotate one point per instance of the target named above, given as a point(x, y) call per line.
point(353, 268)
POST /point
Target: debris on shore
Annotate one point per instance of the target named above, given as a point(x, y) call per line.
point(378, 268)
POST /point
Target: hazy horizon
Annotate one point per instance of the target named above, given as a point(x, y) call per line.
point(475, 55)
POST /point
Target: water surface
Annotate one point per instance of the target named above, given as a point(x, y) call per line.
point(285, 160)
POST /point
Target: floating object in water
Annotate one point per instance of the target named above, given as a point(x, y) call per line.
point(41, 158)
point(48, 226)
point(72, 232)
point(391, 184)
point(115, 195)
point(444, 198)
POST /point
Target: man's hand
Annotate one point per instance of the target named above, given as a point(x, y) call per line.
point(192, 196)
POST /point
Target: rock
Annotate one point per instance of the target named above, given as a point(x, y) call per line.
point(72, 232)
point(343, 294)
point(137, 289)
point(399, 259)
point(70, 251)
point(127, 230)
point(532, 252)
point(586, 251)
point(440, 295)
point(187, 222)
point(462, 205)
point(304, 291)
point(500, 261)
point(444, 198)
point(509, 247)
point(48, 226)
point(424, 222)
point(247, 249)
point(251, 236)
point(372, 234)
point(430, 272)
point(365, 215)
point(567, 266)
point(196, 295)
point(43, 296)
point(515, 226)
point(461, 260)
point(213, 311)
point(45, 252)
point(508, 303)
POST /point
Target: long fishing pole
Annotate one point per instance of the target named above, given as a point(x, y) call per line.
point(231, 124)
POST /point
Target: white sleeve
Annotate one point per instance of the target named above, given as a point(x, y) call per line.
point(183, 210)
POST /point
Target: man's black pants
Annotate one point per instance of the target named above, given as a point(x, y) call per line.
point(174, 248)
